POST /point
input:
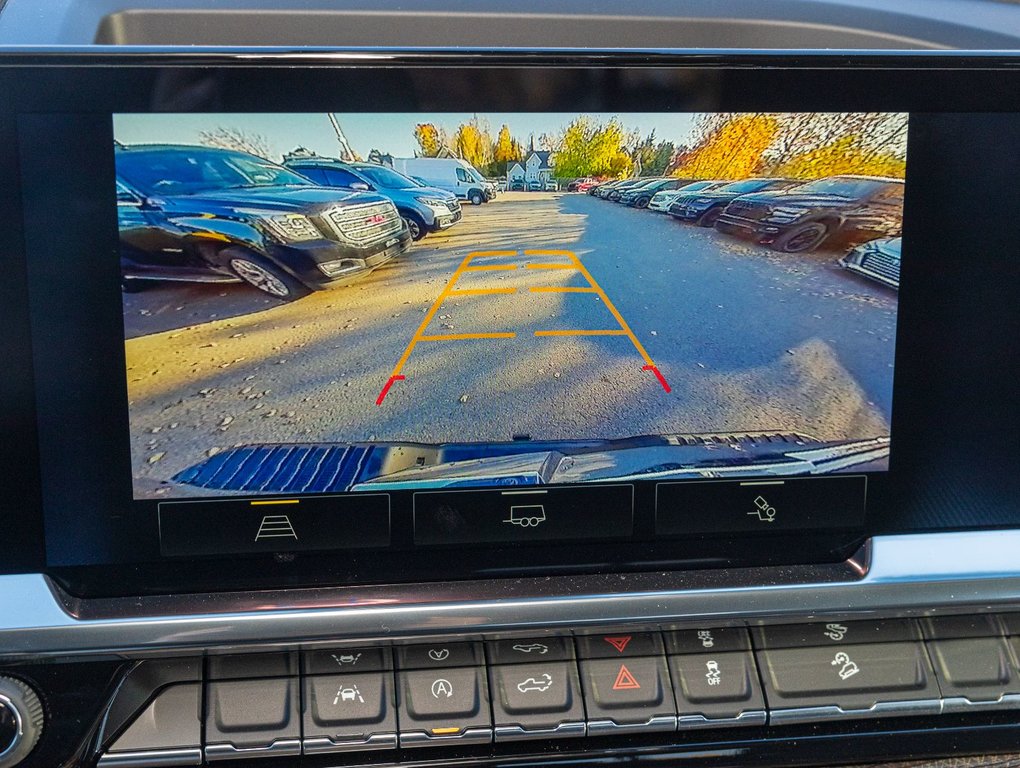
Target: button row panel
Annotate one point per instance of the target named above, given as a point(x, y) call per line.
point(372, 698)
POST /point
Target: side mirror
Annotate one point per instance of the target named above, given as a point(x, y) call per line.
point(360, 186)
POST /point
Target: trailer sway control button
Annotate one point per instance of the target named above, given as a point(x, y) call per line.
point(871, 680)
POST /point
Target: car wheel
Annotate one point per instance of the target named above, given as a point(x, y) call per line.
point(476, 197)
point(642, 202)
point(801, 239)
point(415, 225)
point(267, 277)
point(708, 218)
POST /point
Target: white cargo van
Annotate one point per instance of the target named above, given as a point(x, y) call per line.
point(457, 176)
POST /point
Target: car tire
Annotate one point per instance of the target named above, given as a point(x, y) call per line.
point(262, 274)
point(476, 197)
point(708, 218)
point(642, 202)
point(415, 225)
point(803, 238)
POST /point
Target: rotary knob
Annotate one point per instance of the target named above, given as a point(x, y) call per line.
point(21, 721)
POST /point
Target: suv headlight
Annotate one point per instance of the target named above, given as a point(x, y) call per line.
point(291, 227)
point(433, 202)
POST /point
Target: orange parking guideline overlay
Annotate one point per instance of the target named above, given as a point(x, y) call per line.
point(419, 335)
point(576, 264)
point(467, 266)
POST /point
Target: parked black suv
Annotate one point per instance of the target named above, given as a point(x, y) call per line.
point(847, 209)
point(213, 215)
point(705, 207)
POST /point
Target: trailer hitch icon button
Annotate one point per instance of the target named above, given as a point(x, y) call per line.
point(527, 515)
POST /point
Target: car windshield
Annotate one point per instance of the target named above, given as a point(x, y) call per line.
point(696, 186)
point(187, 171)
point(386, 178)
point(748, 185)
point(840, 186)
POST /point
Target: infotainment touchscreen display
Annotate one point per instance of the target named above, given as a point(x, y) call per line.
point(323, 303)
point(381, 320)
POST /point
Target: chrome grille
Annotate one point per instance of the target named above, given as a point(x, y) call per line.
point(453, 205)
point(746, 210)
point(882, 264)
point(365, 224)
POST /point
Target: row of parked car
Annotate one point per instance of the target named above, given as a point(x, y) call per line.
point(201, 214)
point(862, 213)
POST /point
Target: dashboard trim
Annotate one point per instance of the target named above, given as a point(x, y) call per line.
point(908, 575)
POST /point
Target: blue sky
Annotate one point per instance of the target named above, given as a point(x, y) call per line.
point(391, 132)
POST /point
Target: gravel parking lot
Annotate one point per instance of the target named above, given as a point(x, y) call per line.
point(745, 339)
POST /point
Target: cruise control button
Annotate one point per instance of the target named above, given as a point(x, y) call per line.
point(848, 681)
point(329, 661)
point(836, 632)
point(444, 705)
point(348, 712)
point(620, 645)
point(537, 700)
point(440, 654)
point(707, 640)
point(975, 672)
point(632, 694)
point(715, 689)
point(530, 651)
point(252, 717)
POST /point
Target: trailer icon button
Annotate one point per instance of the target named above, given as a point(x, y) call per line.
point(526, 515)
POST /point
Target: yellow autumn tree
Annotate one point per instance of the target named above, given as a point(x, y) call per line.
point(731, 148)
point(473, 143)
point(590, 148)
point(847, 154)
point(507, 150)
point(429, 139)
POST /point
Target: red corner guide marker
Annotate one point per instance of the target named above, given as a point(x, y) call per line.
point(625, 681)
point(619, 643)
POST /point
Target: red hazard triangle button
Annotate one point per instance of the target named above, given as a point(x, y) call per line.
point(619, 643)
point(625, 681)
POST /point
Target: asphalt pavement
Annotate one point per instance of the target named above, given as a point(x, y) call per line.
point(639, 325)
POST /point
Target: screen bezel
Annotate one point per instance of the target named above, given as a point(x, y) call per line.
point(922, 84)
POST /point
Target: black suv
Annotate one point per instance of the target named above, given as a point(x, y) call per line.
point(705, 207)
point(213, 215)
point(848, 209)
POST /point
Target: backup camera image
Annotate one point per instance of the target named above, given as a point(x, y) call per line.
point(323, 303)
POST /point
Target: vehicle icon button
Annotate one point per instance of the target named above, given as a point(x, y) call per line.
point(532, 700)
point(541, 684)
point(332, 661)
point(530, 650)
point(347, 710)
